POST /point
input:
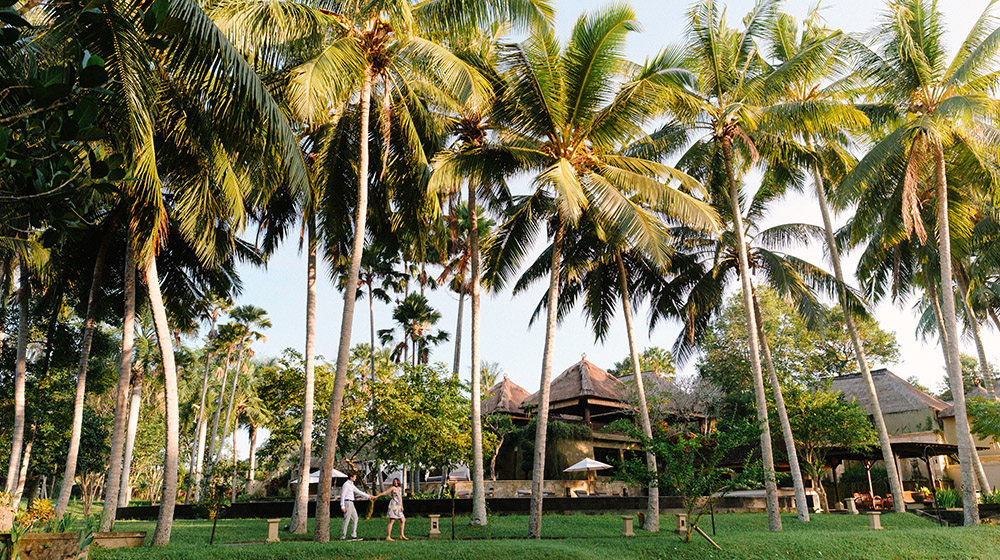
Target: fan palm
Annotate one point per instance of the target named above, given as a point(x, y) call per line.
point(565, 117)
point(940, 125)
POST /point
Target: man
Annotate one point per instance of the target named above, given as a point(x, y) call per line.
point(348, 493)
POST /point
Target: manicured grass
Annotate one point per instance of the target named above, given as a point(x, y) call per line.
point(742, 536)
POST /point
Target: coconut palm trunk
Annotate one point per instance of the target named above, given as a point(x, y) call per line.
point(22, 474)
point(218, 411)
point(767, 455)
point(984, 368)
point(20, 375)
point(478, 474)
point(895, 484)
point(69, 472)
point(201, 427)
point(801, 505)
point(322, 528)
point(165, 519)
point(301, 515)
point(232, 398)
point(457, 361)
point(112, 485)
point(966, 447)
point(254, 428)
point(542, 418)
point(653, 502)
point(977, 465)
point(135, 404)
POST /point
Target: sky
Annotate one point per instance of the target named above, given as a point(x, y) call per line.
point(506, 336)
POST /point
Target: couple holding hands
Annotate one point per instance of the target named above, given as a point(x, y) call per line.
point(349, 493)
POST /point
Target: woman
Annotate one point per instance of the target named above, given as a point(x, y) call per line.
point(395, 510)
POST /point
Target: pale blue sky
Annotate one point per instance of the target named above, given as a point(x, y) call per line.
point(506, 337)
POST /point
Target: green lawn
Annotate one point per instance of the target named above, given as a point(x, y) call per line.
point(742, 536)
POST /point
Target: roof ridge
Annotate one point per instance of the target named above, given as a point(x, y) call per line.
point(586, 386)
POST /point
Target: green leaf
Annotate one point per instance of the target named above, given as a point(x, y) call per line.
point(11, 17)
point(92, 76)
point(99, 169)
point(85, 112)
point(9, 36)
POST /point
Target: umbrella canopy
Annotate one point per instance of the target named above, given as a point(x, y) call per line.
point(588, 464)
point(314, 477)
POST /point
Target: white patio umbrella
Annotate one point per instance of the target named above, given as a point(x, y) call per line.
point(314, 477)
point(589, 466)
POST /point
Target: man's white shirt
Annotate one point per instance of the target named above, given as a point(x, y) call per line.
point(349, 492)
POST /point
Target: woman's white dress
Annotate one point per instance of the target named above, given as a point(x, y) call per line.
point(395, 510)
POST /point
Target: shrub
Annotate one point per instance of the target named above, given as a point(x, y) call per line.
point(948, 498)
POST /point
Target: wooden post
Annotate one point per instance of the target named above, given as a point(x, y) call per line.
point(708, 538)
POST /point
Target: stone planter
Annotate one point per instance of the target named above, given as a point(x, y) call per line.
point(120, 539)
point(46, 546)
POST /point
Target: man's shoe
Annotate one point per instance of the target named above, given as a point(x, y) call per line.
point(355, 539)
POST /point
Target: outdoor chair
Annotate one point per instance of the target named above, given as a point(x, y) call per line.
point(524, 493)
point(887, 502)
point(548, 494)
point(581, 493)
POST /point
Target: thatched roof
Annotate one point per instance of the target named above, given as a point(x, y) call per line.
point(505, 397)
point(894, 394)
point(581, 380)
point(977, 390)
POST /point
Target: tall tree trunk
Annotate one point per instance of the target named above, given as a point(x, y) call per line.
point(232, 398)
point(984, 366)
point(20, 375)
point(134, 408)
point(322, 529)
point(300, 519)
point(22, 474)
point(201, 427)
point(218, 412)
point(977, 465)
point(801, 505)
point(165, 520)
point(653, 502)
point(69, 473)
point(542, 419)
point(457, 361)
point(112, 486)
point(232, 495)
point(253, 456)
point(478, 484)
point(770, 485)
point(895, 484)
point(966, 447)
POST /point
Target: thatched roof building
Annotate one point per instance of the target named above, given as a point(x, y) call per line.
point(505, 397)
point(977, 390)
point(584, 390)
point(906, 408)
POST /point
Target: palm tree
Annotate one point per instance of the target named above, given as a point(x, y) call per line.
point(601, 268)
point(416, 320)
point(227, 340)
point(113, 484)
point(818, 59)
point(355, 48)
point(939, 114)
point(69, 473)
point(735, 93)
point(217, 306)
point(564, 119)
point(246, 318)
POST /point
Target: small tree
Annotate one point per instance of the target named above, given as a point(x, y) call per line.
point(653, 359)
point(694, 464)
point(821, 420)
point(498, 426)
